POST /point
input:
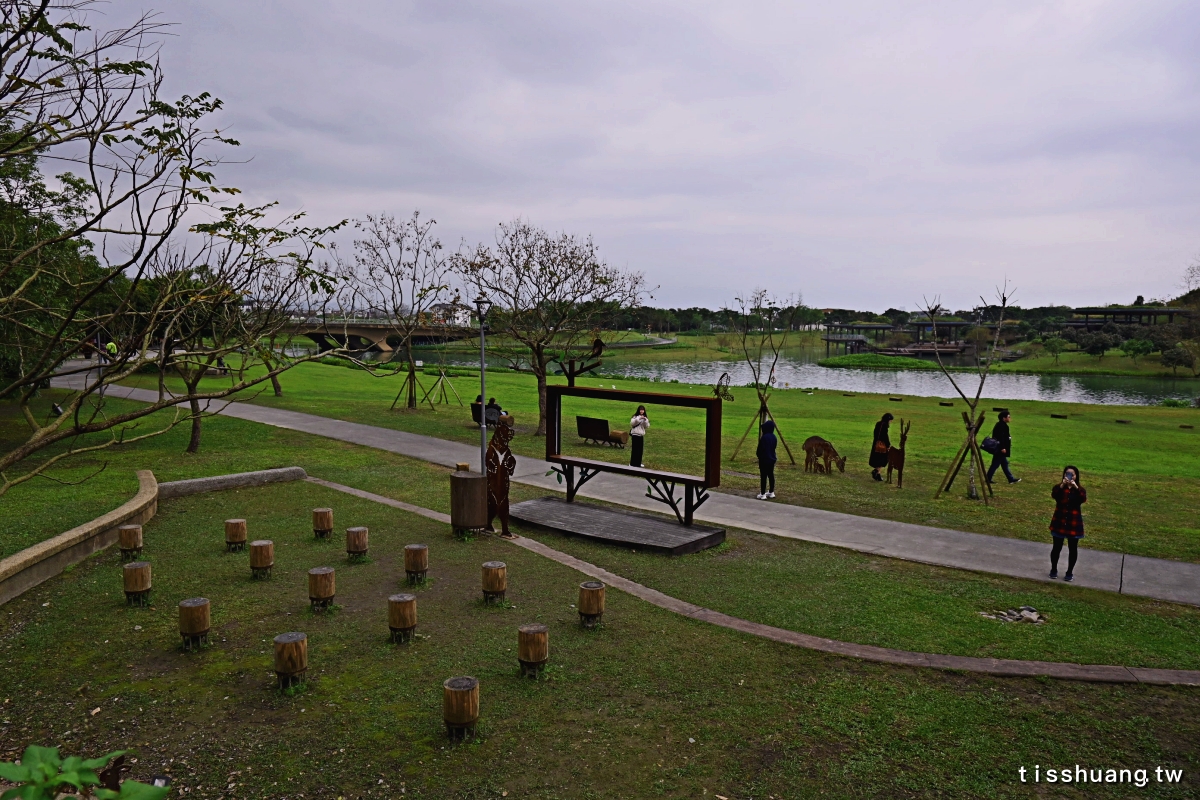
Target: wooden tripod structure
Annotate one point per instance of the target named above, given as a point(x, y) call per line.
point(411, 385)
point(764, 414)
point(970, 449)
point(439, 386)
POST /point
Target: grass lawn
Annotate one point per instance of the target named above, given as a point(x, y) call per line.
point(1142, 478)
point(650, 705)
point(1075, 362)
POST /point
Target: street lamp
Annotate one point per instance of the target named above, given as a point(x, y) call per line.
point(482, 307)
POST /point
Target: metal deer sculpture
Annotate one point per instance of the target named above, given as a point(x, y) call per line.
point(896, 456)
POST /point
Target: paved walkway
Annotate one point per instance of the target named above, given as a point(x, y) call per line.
point(1098, 569)
point(991, 666)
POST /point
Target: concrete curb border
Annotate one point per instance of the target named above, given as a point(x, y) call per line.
point(1004, 667)
point(24, 570)
point(172, 489)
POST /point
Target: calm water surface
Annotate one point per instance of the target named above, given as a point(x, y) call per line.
point(798, 369)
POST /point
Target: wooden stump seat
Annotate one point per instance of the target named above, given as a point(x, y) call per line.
point(533, 648)
point(416, 562)
point(235, 535)
point(460, 706)
point(321, 587)
point(137, 583)
point(322, 522)
point(356, 543)
point(195, 620)
point(495, 581)
point(591, 603)
point(130, 541)
point(262, 558)
point(402, 616)
point(291, 658)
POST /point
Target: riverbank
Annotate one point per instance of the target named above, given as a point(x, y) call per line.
point(1070, 364)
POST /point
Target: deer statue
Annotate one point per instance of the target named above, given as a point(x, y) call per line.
point(818, 450)
point(896, 456)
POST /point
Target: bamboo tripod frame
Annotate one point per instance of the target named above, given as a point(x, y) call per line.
point(440, 384)
point(969, 448)
point(764, 413)
point(410, 378)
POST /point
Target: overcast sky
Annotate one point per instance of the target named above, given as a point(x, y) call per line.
point(863, 153)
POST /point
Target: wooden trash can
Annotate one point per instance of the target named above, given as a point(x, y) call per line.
point(591, 603)
point(402, 616)
point(195, 619)
point(495, 581)
point(321, 587)
point(533, 648)
point(323, 522)
point(129, 538)
point(291, 658)
point(460, 706)
point(137, 583)
point(235, 535)
point(416, 562)
point(468, 501)
point(356, 543)
point(262, 558)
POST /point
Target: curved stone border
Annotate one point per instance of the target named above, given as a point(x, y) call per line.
point(22, 571)
point(1102, 673)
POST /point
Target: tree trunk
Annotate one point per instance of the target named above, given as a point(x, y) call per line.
point(412, 375)
point(972, 491)
point(538, 362)
point(275, 384)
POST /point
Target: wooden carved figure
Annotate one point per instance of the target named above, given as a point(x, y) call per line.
point(818, 450)
point(896, 457)
point(500, 466)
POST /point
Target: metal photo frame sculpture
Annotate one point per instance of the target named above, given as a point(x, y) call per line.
point(661, 486)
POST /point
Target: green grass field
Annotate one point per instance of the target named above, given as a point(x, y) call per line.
point(1142, 477)
point(650, 705)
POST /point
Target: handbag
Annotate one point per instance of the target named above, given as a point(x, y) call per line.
point(880, 447)
point(990, 445)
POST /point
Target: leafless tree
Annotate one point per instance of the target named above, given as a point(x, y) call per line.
point(97, 254)
point(762, 324)
point(400, 272)
point(551, 293)
point(972, 417)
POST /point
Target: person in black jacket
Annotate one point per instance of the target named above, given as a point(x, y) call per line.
point(879, 446)
point(766, 461)
point(1001, 434)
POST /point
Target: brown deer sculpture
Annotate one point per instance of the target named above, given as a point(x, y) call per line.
point(896, 456)
point(818, 450)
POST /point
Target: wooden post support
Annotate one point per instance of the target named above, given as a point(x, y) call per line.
point(130, 539)
point(321, 588)
point(462, 466)
point(195, 620)
point(322, 522)
point(468, 501)
point(137, 583)
point(235, 535)
point(495, 581)
point(262, 558)
point(402, 616)
point(591, 603)
point(533, 648)
point(416, 562)
point(291, 658)
point(460, 706)
point(356, 543)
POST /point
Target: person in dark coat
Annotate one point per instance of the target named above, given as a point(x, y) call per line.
point(1001, 434)
point(1067, 522)
point(879, 446)
point(766, 461)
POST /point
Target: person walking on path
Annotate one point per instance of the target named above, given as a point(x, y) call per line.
point(1067, 522)
point(1003, 452)
point(766, 461)
point(879, 446)
point(638, 425)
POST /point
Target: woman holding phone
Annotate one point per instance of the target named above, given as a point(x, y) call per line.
point(1067, 522)
point(638, 425)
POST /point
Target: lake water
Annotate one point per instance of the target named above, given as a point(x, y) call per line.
point(800, 370)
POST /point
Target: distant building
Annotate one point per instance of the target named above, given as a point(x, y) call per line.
point(455, 314)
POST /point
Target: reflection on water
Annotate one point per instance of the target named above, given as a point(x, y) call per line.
point(798, 369)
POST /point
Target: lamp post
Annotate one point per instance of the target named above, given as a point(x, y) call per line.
point(482, 307)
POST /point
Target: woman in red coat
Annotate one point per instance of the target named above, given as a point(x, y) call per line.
point(1067, 522)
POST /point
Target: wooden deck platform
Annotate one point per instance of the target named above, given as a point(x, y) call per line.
point(618, 526)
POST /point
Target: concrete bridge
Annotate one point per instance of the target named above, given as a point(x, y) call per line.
point(366, 334)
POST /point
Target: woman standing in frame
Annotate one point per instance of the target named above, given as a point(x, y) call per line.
point(1067, 522)
point(879, 446)
point(638, 425)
